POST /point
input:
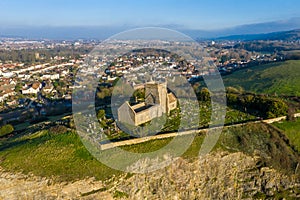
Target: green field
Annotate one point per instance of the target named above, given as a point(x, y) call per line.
point(60, 156)
point(292, 131)
point(64, 158)
point(277, 78)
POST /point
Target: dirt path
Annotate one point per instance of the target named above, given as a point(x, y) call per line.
point(174, 134)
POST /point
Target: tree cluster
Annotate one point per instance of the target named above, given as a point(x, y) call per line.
point(269, 107)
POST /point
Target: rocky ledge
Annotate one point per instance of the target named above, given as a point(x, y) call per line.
point(219, 175)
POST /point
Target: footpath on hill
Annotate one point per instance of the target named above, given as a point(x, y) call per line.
point(174, 134)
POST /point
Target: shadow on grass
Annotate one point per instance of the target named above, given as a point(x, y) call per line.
point(14, 142)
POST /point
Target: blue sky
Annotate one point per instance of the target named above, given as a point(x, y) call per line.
point(194, 14)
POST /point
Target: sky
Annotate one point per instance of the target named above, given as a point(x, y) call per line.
point(190, 14)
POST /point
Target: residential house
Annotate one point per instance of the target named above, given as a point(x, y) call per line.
point(33, 89)
point(50, 77)
point(6, 93)
point(48, 88)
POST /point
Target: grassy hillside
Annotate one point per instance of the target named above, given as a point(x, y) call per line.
point(292, 131)
point(63, 156)
point(280, 78)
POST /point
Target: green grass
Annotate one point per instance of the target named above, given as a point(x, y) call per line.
point(281, 78)
point(119, 195)
point(63, 156)
point(263, 139)
point(292, 131)
point(233, 115)
point(236, 116)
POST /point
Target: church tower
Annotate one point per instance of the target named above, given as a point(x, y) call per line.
point(156, 93)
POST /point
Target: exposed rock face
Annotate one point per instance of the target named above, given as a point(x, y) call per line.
point(218, 175)
point(215, 176)
point(19, 186)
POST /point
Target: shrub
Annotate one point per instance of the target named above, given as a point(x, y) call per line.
point(6, 129)
point(59, 129)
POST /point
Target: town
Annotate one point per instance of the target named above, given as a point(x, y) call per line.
point(38, 82)
point(149, 100)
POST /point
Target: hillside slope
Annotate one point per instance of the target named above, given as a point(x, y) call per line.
point(220, 175)
point(277, 78)
point(282, 35)
point(249, 161)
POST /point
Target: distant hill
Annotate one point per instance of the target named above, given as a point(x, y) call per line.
point(280, 78)
point(248, 31)
point(103, 32)
point(283, 35)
